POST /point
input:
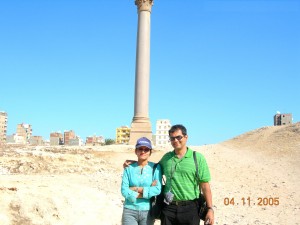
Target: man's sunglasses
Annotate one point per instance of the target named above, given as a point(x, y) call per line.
point(143, 149)
point(179, 137)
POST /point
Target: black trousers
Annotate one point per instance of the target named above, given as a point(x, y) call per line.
point(186, 214)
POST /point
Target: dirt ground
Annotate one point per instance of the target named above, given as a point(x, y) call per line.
point(255, 180)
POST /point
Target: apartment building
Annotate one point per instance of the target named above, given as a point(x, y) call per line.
point(69, 134)
point(56, 138)
point(24, 130)
point(283, 119)
point(15, 139)
point(36, 140)
point(77, 141)
point(122, 135)
point(162, 132)
point(3, 127)
point(94, 140)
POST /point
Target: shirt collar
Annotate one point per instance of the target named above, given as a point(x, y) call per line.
point(188, 154)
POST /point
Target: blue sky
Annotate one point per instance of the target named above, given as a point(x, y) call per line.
point(221, 68)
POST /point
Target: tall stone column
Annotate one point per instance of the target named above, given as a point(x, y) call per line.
point(141, 125)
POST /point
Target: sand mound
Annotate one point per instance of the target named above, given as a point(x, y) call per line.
point(273, 138)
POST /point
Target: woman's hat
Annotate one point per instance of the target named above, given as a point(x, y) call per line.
point(143, 141)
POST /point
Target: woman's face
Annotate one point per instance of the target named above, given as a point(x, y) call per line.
point(143, 152)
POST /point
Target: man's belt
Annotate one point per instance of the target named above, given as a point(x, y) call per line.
point(187, 202)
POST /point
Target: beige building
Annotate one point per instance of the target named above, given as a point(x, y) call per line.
point(25, 131)
point(36, 140)
point(77, 141)
point(94, 140)
point(15, 139)
point(56, 138)
point(122, 135)
point(3, 127)
point(162, 132)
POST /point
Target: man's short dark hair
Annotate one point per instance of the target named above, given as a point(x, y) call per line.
point(178, 127)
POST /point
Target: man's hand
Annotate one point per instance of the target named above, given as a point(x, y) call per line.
point(127, 163)
point(209, 218)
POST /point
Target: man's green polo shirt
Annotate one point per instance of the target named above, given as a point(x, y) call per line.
point(183, 172)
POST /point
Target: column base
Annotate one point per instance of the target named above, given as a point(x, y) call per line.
point(140, 127)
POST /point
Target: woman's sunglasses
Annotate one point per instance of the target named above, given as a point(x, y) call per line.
point(143, 150)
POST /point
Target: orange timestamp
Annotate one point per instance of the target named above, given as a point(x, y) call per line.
point(260, 201)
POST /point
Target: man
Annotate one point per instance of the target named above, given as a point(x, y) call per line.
point(181, 183)
point(182, 187)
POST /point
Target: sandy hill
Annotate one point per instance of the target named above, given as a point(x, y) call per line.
point(42, 185)
point(279, 140)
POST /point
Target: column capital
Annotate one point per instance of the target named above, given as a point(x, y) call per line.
point(144, 5)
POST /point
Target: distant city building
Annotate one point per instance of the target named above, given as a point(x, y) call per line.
point(24, 130)
point(56, 138)
point(15, 139)
point(94, 140)
point(47, 142)
point(3, 127)
point(77, 141)
point(36, 140)
point(122, 135)
point(10, 138)
point(283, 119)
point(162, 132)
point(69, 134)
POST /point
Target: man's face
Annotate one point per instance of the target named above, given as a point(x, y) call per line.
point(178, 140)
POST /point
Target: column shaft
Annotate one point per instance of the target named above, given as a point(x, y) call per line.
point(142, 72)
point(141, 126)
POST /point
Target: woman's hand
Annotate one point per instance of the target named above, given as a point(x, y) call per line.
point(154, 183)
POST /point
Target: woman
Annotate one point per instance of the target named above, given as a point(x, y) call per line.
point(139, 184)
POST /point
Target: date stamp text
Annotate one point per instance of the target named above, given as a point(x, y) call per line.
point(247, 201)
